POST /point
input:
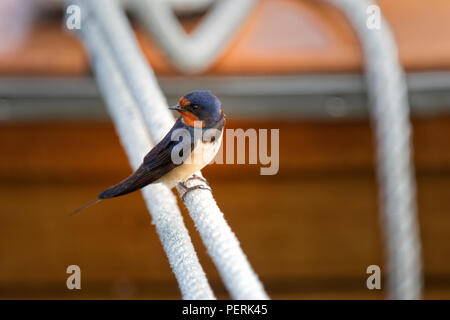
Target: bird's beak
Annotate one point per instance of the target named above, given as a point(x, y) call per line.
point(177, 108)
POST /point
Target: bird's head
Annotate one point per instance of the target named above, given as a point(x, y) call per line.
point(199, 105)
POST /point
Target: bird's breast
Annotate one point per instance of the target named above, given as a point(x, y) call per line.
point(202, 155)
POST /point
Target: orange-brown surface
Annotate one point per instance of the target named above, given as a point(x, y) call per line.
point(309, 232)
point(280, 36)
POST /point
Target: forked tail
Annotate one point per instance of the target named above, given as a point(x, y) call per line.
point(90, 203)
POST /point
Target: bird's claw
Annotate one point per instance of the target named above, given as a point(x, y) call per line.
point(196, 177)
point(196, 187)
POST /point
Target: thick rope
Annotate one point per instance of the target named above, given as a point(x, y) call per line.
point(197, 51)
point(221, 243)
point(134, 137)
point(390, 116)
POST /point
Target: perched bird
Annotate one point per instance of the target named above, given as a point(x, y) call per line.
point(178, 156)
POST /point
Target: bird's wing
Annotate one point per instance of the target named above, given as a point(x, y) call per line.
point(156, 164)
point(159, 159)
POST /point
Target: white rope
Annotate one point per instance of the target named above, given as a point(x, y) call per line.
point(195, 52)
point(221, 243)
point(390, 114)
point(136, 141)
point(190, 5)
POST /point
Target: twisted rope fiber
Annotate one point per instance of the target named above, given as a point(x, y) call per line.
point(135, 139)
point(201, 47)
point(390, 115)
point(221, 243)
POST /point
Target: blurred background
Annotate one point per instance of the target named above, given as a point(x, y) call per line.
point(295, 65)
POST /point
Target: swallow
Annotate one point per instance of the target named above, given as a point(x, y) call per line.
point(199, 110)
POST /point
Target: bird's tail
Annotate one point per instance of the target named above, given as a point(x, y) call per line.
point(140, 178)
point(90, 203)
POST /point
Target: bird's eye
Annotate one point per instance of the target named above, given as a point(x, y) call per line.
point(194, 106)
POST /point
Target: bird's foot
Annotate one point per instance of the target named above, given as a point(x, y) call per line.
point(196, 177)
point(196, 187)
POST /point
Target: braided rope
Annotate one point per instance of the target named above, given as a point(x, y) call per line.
point(221, 243)
point(390, 116)
point(197, 51)
point(135, 139)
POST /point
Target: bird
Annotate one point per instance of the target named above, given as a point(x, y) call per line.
point(173, 160)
